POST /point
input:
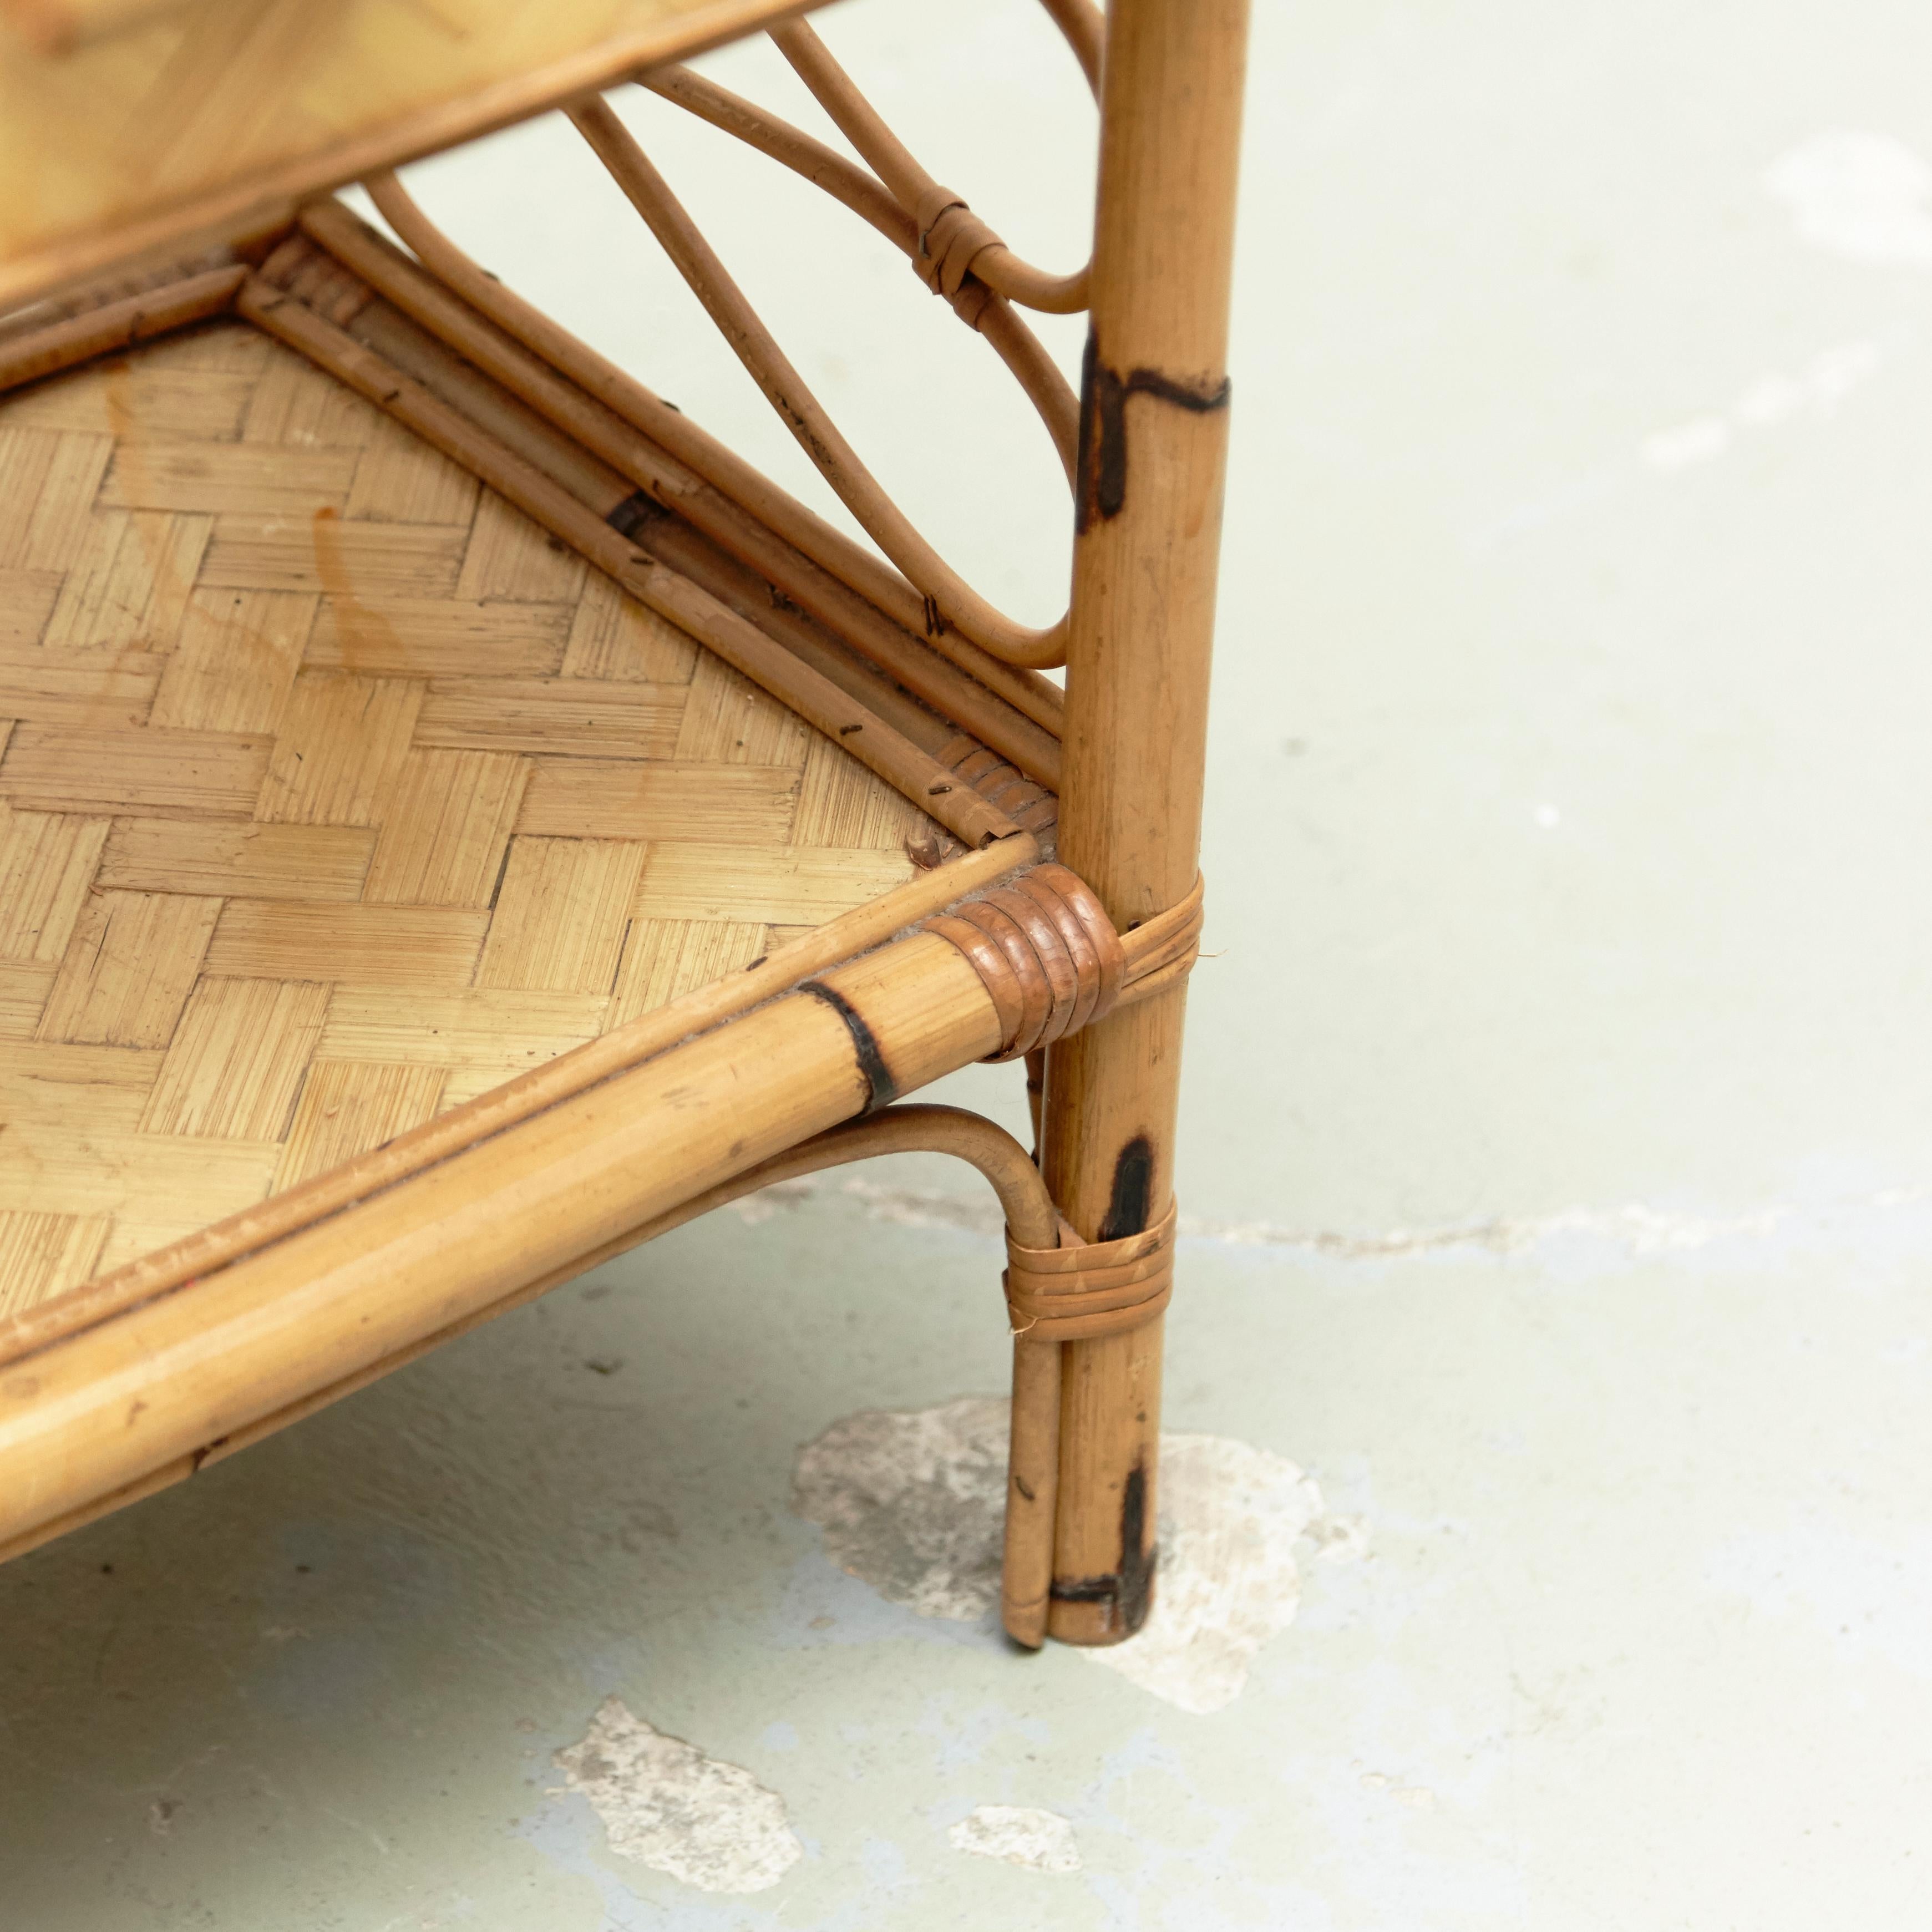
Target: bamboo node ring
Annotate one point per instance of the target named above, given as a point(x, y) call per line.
point(1081, 1290)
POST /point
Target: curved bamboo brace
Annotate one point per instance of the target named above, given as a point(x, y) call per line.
point(1085, 27)
point(955, 600)
point(791, 147)
point(953, 239)
point(1033, 1458)
point(1014, 343)
point(857, 568)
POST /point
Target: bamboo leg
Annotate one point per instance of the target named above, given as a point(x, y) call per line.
point(1032, 1480)
point(1153, 445)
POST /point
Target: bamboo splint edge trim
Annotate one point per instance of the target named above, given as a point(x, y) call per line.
point(901, 763)
point(859, 568)
point(546, 377)
point(1082, 1290)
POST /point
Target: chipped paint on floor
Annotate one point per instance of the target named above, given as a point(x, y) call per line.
point(663, 1803)
point(1230, 1518)
point(1858, 194)
point(1039, 1841)
point(909, 1502)
point(1777, 397)
point(1881, 1218)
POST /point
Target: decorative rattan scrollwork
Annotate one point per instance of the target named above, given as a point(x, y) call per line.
point(953, 250)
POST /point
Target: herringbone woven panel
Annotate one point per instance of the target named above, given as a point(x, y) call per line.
point(334, 793)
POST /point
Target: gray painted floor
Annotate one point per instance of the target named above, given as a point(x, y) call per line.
point(1558, 1148)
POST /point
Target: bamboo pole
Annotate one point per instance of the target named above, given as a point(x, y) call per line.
point(1009, 714)
point(414, 1153)
point(118, 325)
point(1154, 432)
point(1032, 1457)
point(91, 1415)
point(917, 774)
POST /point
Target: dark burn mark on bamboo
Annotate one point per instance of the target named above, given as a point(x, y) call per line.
point(635, 513)
point(1130, 1203)
point(1128, 1591)
point(884, 1089)
point(1138, 1554)
point(1101, 464)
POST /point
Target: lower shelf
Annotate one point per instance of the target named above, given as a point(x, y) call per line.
point(336, 794)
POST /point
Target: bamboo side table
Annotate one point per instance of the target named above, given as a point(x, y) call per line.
point(462, 821)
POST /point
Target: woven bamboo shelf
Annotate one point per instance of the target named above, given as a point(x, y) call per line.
point(127, 126)
point(335, 793)
point(458, 820)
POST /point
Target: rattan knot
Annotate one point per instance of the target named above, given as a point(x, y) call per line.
point(1045, 951)
point(1084, 1289)
point(950, 235)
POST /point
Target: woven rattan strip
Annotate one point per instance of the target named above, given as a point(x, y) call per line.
point(332, 793)
point(1082, 1290)
point(1047, 952)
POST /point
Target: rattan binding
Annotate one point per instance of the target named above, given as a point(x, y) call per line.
point(1082, 1290)
point(1046, 951)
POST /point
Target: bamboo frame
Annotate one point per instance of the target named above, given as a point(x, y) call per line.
point(728, 473)
point(1013, 721)
point(927, 686)
point(954, 600)
point(1154, 437)
point(342, 1294)
point(993, 262)
point(814, 696)
point(116, 325)
point(424, 1148)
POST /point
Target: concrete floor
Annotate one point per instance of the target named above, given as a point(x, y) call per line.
point(1557, 1147)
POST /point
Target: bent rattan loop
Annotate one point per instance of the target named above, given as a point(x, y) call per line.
point(954, 600)
point(1046, 953)
point(916, 190)
point(1082, 1290)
